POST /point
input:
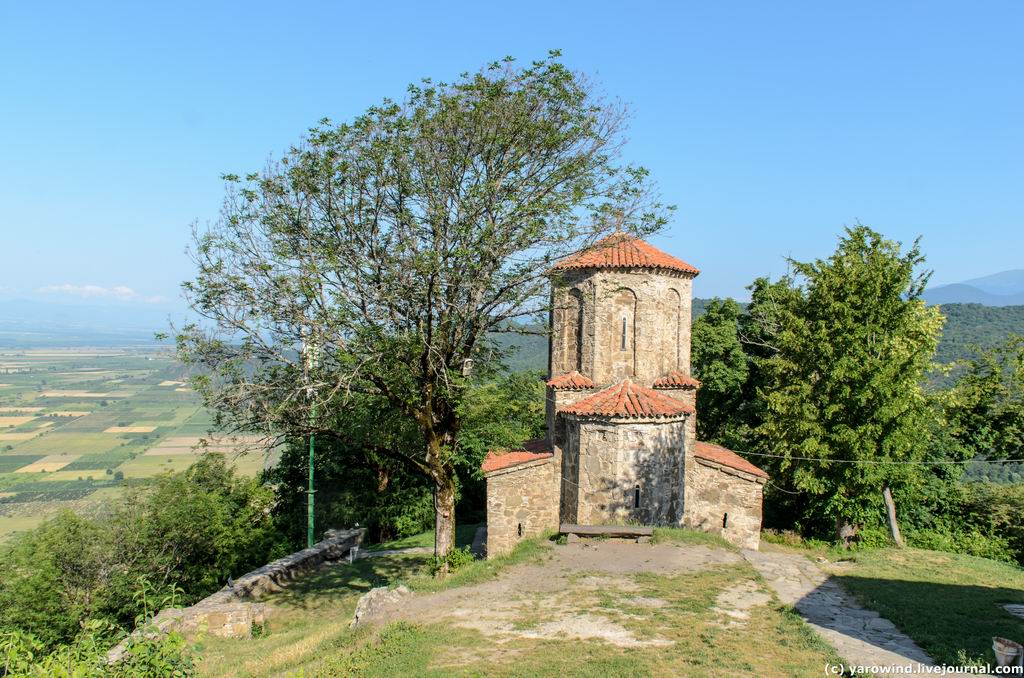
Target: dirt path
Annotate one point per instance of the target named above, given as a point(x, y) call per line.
point(569, 584)
point(860, 636)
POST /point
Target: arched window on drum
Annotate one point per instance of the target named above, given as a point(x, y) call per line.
point(622, 333)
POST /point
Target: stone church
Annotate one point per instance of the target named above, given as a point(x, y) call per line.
point(621, 444)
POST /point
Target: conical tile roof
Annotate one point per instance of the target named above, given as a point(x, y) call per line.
point(676, 379)
point(621, 250)
point(628, 400)
point(573, 381)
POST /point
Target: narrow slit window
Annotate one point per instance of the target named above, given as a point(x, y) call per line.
point(725, 520)
point(636, 497)
point(520, 529)
point(623, 345)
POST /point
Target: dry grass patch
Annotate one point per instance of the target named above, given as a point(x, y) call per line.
point(53, 462)
point(171, 383)
point(11, 422)
point(20, 409)
point(18, 436)
point(130, 429)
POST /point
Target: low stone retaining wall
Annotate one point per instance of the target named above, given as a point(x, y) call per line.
point(229, 613)
point(276, 575)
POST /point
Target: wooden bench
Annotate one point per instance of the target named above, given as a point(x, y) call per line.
point(619, 531)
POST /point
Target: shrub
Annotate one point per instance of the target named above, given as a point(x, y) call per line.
point(967, 541)
point(22, 655)
point(189, 530)
point(457, 558)
point(873, 538)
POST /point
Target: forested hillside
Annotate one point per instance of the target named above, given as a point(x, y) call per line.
point(970, 324)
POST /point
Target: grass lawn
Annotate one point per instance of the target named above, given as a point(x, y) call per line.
point(311, 617)
point(948, 603)
point(684, 535)
point(463, 537)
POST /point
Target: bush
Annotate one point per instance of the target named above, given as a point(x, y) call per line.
point(967, 541)
point(994, 508)
point(457, 558)
point(189, 531)
point(873, 538)
point(22, 655)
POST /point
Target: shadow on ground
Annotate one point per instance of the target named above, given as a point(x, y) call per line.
point(334, 582)
point(942, 618)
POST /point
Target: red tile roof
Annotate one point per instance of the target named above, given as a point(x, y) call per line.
point(627, 399)
point(621, 250)
point(532, 450)
point(573, 381)
point(720, 455)
point(676, 379)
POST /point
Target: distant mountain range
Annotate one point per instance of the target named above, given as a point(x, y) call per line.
point(1000, 289)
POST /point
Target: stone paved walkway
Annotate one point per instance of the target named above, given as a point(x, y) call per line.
point(860, 636)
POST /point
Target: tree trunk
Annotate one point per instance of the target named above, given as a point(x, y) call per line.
point(890, 511)
point(444, 519)
point(845, 532)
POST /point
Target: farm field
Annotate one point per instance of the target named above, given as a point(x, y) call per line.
point(78, 425)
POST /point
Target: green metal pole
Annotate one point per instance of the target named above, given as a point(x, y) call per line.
point(310, 492)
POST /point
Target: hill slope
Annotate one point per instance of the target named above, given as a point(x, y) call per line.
point(976, 324)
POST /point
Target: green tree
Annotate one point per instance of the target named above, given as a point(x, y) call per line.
point(396, 245)
point(363, 478)
point(848, 347)
point(722, 367)
point(985, 407)
point(189, 531)
point(54, 579)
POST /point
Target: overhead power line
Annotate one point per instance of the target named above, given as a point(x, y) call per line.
point(884, 462)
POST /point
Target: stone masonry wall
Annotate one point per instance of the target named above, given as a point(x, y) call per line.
point(656, 307)
point(231, 612)
point(570, 474)
point(726, 502)
point(557, 399)
point(522, 502)
point(688, 396)
point(617, 457)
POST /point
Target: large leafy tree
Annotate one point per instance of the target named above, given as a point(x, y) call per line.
point(846, 350)
point(379, 257)
point(363, 479)
point(723, 369)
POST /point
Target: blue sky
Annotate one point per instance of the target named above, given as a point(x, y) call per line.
point(770, 125)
